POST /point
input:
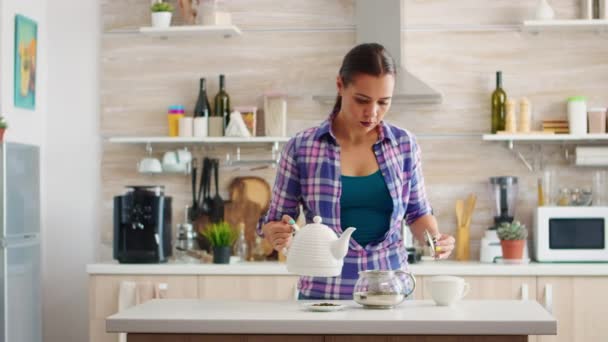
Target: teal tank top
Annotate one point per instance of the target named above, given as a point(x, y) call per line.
point(367, 205)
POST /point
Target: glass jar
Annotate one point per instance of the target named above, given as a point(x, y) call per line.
point(383, 289)
point(275, 114)
point(563, 198)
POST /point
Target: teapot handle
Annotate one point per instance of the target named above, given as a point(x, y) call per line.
point(296, 228)
point(411, 276)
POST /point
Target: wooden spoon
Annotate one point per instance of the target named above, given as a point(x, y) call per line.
point(459, 212)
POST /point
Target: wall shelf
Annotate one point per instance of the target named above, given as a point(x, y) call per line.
point(545, 137)
point(536, 26)
point(226, 31)
point(539, 139)
point(195, 140)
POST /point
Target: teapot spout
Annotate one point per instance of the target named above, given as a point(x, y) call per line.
point(339, 248)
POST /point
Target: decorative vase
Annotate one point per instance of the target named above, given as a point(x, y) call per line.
point(2, 134)
point(544, 11)
point(512, 249)
point(221, 255)
point(161, 19)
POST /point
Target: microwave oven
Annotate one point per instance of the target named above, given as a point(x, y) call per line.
point(571, 234)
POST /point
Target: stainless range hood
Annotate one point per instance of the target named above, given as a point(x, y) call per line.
point(381, 22)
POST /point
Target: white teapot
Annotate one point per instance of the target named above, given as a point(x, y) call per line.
point(316, 251)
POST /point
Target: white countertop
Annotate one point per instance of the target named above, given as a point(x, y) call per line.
point(473, 268)
point(467, 317)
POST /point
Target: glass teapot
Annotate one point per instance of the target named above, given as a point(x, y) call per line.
point(383, 289)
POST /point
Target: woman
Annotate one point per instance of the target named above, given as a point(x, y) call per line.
point(355, 170)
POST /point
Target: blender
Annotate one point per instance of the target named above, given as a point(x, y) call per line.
point(503, 192)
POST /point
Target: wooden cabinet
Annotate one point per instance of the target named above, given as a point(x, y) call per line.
point(485, 287)
point(103, 297)
point(493, 287)
point(252, 287)
point(104, 291)
point(580, 305)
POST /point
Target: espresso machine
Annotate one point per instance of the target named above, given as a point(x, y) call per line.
point(503, 195)
point(142, 225)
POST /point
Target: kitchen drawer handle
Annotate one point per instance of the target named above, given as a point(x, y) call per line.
point(524, 292)
point(549, 298)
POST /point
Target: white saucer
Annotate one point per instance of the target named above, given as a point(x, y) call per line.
point(321, 308)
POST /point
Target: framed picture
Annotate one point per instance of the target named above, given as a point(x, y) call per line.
point(26, 31)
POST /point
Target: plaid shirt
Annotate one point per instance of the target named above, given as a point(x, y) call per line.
point(309, 175)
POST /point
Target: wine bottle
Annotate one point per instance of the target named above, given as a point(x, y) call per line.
point(499, 97)
point(222, 103)
point(202, 107)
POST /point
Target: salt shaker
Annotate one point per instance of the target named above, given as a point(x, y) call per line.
point(510, 116)
point(524, 116)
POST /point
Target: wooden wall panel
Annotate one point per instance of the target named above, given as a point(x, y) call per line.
point(141, 76)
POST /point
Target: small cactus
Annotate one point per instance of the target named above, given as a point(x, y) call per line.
point(3, 123)
point(512, 231)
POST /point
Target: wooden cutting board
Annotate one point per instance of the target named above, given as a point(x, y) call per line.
point(249, 200)
point(253, 188)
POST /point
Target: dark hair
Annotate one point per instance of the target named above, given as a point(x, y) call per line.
point(368, 58)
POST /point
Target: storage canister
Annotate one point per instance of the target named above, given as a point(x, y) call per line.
point(249, 117)
point(597, 120)
point(185, 126)
point(275, 114)
point(525, 117)
point(577, 115)
point(175, 113)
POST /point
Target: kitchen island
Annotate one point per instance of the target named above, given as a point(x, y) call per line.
point(191, 320)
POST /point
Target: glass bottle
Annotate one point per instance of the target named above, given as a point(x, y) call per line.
point(202, 103)
point(258, 250)
point(499, 97)
point(221, 103)
point(241, 249)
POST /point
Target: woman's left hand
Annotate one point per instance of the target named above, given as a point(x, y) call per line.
point(444, 246)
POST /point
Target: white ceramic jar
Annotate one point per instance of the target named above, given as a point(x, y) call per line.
point(275, 114)
point(597, 120)
point(577, 115)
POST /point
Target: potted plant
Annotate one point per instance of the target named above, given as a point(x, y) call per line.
point(221, 236)
point(3, 127)
point(512, 239)
point(161, 14)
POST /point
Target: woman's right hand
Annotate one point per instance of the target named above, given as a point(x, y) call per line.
point(279, 233)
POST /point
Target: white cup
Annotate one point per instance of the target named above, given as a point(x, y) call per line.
point(177, 161)
point(446, 290)
point(149, 165)
point(185, 127)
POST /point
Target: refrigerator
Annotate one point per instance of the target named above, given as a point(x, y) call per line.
point(20, 257)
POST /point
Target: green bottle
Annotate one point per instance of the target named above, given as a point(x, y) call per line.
point(221, 103)
point(499, 97)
